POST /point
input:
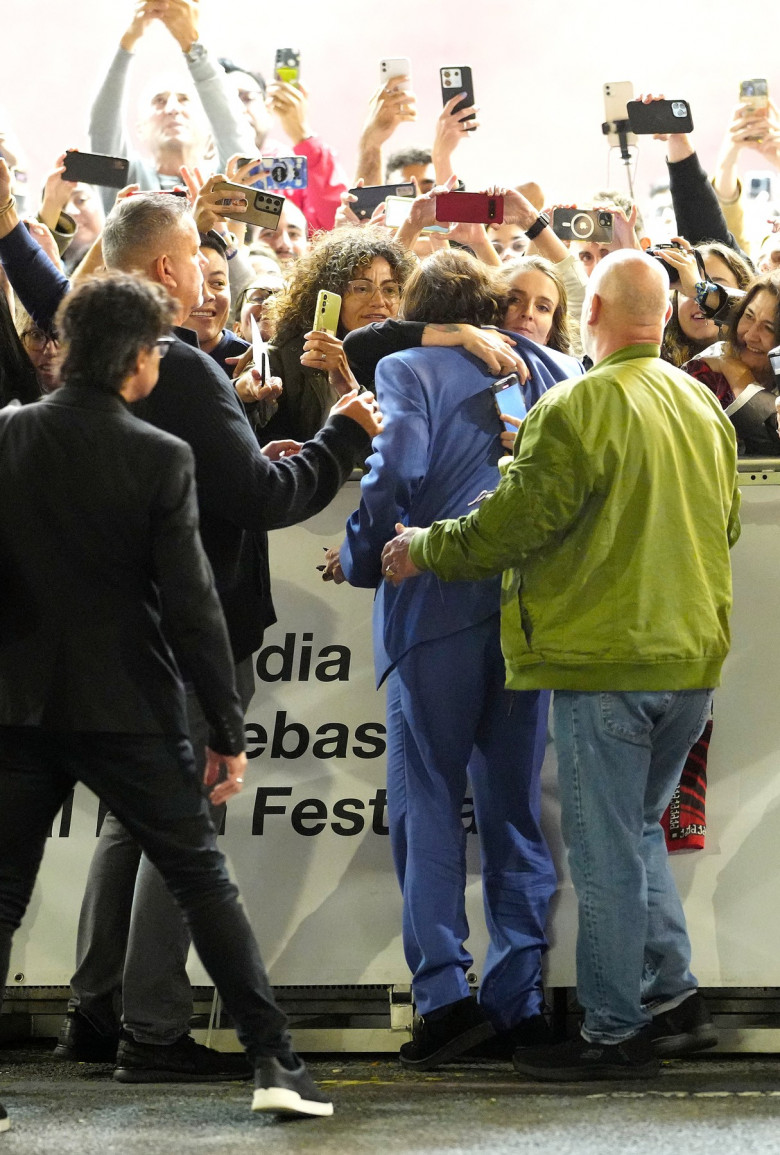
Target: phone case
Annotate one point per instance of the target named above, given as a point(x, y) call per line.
point(370, 196)
point(94, 168)
point(472, 208)
point(287, 65)
point(263, 208)
point(582, 225)
point(508, 398)
point(282, 172)
point(394, 66)
point(617, 94)
point(457, 79)
point(660, 116)
point(327, 312)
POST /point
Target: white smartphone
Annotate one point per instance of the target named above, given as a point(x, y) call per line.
point(616, 97)
point(394, 67)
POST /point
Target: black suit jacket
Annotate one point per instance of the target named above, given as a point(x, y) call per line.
point(101, 566)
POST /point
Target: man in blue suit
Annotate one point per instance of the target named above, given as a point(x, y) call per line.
point(449, 717)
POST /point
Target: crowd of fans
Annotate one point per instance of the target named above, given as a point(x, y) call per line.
point(226, 117)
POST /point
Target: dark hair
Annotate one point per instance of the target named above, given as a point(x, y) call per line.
point(453, 287)
point(231, 66)
point(406, 156)
point(768, 282)
point(139, 227)
point(559, 337)
point(18, 381)
point(105, 323)
point(677, 347)
point(212, 240)
point(333, 259)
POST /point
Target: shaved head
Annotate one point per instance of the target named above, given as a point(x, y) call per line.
point(627, 303)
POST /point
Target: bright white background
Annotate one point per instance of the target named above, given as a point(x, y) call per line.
point(538, 72)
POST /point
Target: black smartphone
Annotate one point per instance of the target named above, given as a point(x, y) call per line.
point(457, 79)
point(583, 225)
point(371, 196)
point(508, 398)
point(92, 168)
point(659, 116)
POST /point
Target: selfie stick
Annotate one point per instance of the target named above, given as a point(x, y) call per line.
point(622, 128)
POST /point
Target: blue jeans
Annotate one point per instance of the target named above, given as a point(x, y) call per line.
point(151, 784)
point(620, 756)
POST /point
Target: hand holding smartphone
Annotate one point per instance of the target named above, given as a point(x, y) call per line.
point(93, 168)
point(454, 80)
point(262, 208)
point(470, 208)
point(664, 116)
point(508, 399)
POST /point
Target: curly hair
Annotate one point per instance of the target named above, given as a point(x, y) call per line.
point(453, 287)
point(559, 337)
point(332, 260)
point(677, 347)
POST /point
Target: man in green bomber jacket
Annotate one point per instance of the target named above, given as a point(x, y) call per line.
point(613, 524)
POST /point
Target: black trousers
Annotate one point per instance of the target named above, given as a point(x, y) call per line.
point(151, 784)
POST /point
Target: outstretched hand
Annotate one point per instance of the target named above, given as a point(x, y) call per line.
point(396, 564)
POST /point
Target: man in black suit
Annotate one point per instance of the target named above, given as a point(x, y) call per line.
point(241, 495)
point(103, 575)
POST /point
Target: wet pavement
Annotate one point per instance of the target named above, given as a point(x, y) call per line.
point(711, 1105)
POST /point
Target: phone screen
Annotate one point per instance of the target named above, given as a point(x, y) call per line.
point(509, 399)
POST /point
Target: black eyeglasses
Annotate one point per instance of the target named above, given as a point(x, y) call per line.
point(163, 344)
point(38, 340)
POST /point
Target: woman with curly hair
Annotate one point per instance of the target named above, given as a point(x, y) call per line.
point(368, 271)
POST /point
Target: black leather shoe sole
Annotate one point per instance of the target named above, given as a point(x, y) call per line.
point(161, 1075)
point(455, 1046)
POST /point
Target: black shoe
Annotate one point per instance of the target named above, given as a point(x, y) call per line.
point(184, 1061)
point(446, 1033)
point(579, 1060)
point(80, 1042)
point(5, 1122)
point(288, 1091)
point(686, 1029)
point(534, 1031)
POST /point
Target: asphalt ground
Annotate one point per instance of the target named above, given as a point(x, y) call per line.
point(711, 1105)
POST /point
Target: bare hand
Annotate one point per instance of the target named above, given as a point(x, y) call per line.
point(344, 213)
point(182, 19)
point(684, 262)
point(396, 564)
point(43, 236)
point(276, 450)
point(361, 407)
point(451, 129)
point(290, 102)
point(145, 12)
point(508, 438)
point(234, 769)
point(392, 104)
point(497, 350)
point(212, 205)
point(242, 363)
point(56, 194)
point(249, 386)
point(332, 571)
point(325, 352)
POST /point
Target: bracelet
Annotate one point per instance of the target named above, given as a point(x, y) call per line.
point(541, 222)
point(6, 208)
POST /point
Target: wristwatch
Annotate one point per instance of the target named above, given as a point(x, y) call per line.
point(541, 222)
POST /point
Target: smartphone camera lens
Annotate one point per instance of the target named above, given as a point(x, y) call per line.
point(605, 220)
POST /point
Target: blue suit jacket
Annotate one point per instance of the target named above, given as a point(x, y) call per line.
point(439, 450)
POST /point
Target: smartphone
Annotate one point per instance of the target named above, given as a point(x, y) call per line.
point(263, 208)
point(754, 98)
point(582, 225)
point(279, 171)
point(326, 312)
point(397, 211)
point(617, 94)
point(508, 398)
point(371, 196)
point(474, 208)
point(287, 65)
point(660, 116)
point(92, 168)
point(392, 68)
point(455, 80)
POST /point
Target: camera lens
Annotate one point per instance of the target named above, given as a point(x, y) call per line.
point(605, 220)
point(581, 226)
point(279, 172)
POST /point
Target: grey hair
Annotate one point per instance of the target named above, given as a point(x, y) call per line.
point(138, 229)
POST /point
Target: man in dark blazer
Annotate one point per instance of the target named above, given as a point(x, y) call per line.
point(104, 579)
point(241, 495)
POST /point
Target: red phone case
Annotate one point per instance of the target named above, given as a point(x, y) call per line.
point(471, 208)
